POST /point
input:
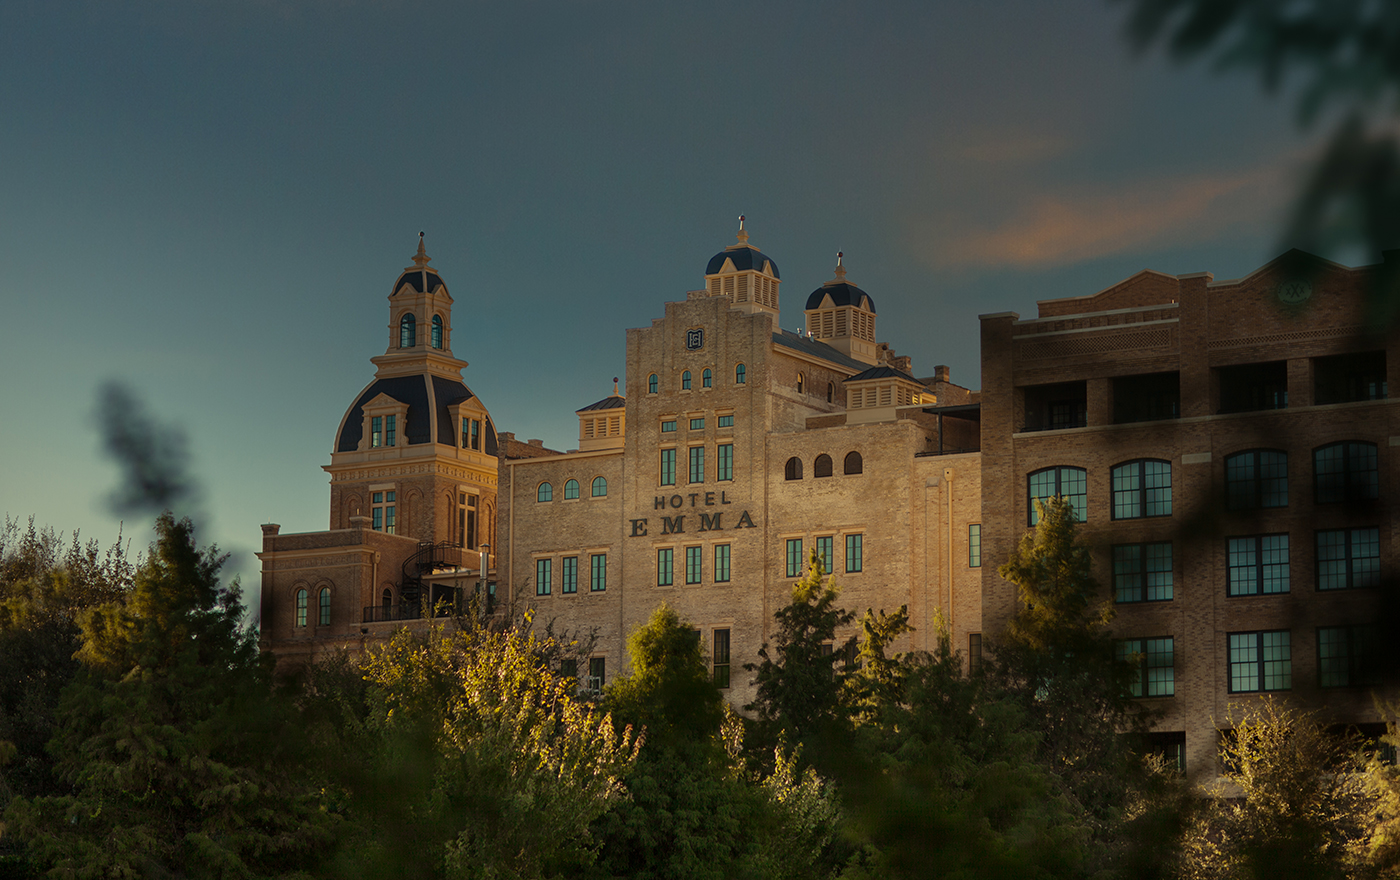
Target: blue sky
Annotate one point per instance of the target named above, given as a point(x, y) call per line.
point(207, 200)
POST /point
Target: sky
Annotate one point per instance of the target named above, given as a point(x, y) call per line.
point(207, 201)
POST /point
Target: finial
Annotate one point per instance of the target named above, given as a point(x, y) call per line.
point(614, 394)
point(743, 235)
point(840, 269)
point(421, 259)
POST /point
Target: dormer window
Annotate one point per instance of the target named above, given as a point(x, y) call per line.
point(437, 331)
point(407, 335)
point(382, 431)
point(471, 434)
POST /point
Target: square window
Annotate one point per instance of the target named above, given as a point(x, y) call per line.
point(1142, 488)
point(1256, 479)
point(1257, 565)
point(1348, 558)
point(1142, 572)
point(1347, 655)
point(1260, 661)
point(1071, 482)
point(1156, 666)
point(1346, 472)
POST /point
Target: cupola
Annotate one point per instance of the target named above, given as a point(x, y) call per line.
point(746, 275)
point(420, 309)
point(843, 316)
point(603, 425)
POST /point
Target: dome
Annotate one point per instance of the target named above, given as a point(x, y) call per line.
point(842, 293)
point(744, 258)
point(427, 397)
point(421, 280)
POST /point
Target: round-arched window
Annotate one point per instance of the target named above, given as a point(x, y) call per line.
point(740, 375)
point(600, 487)
point(325, 609)
point(437, 331)
point(707, 379)
point(822, 466)
point(854, 464)
point(301, 607)
point(571, 490)
point(793, 469)
point(651, 384)
point(545, 492)
point(830, 392)
point(685, 380)
point(407, 337)
point(387, 602)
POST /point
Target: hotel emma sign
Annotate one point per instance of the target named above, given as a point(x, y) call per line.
point(707, 521)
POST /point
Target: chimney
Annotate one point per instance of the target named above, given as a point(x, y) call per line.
point(940, 373)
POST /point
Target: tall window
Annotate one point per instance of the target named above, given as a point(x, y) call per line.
point(830, 392)
point(568, 574)
point(382, 511)
point(406, 332)
point(571, 490)
point(600, 487)
point(1346, 472)
point(1071, 482)
point(974, 653)
point(668, 467)
point(721, 563)
point(1256, 478)
point(740, 375)
point(793, 469)
point(599, 580)
point(1142, 488)
point(974, 545)
point(390, 430)
point(544, 576)
point(301, 608)
point(697, 464)
point(721, 658)
point(1258, 565)
point(466, 520)
point(685, 380)
point(824, 551)
point(855, 553)
point(801, 380)
point(597, 673)
point(437, 331)
point(665, 567)
point(1347, 655)
point(707, 379)
point(794, 557)
point(471, 434)
point(822, 466)
point(325, 609)
point(1348, 558)
point(386, 603)
point(724, 461)
point(1260, 661)
point(694, 564)
point(1156, 666)
point(545, 492)
point(652, 382)
point(1142, 572)
point(376, 432)
point(853, 463)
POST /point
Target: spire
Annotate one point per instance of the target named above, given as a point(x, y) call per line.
point(840, 270)
point(421, 259)
point(743, 235)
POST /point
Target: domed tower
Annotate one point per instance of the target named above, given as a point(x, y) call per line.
point(744, 274)
point(843, 316)
point(415, 453)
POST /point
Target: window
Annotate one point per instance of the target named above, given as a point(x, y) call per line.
point(1142, 572)
point(568, 668)
point(830, 392)
point(325, 607)
point(597, 673)
point(822, 466)
point(1142, 488)
point(740, 375)
point(721, 658)
point(568, 574)
point(382, 431)
point(1258, 565)
point(1156, 667)
point(974, 653)
point(652, 383)
point(694, 564)
point(1056, 407)
point(1349, 377)
point(855, 553)
point(824, 552)
point(801, 380)
point(793, 469)
point(466, 520)
point(974, 545)
point(854, 464)
point(382, 511)
point(721, 563)
point(544, 576)
point(387, 603)
point(697, 464)
point(600, 487)
point(471, 434)
point(1253, 387)
point(1146, 398)
point(390, 430)
point(301, 608)
point(697, 424)
point(1071, 482)
point(1346, 472)
point(794, 557)
point(1256, 478)
point(726, 421)
point(1260, 661)
point(724, 461)
point(437, 331)
point(665, 567)
point(668, 467)
point(571, 490)
point(685, 380)
point(1348, 558)
point(598, 581)
point(1170, 746)
point(668, 427)
point(1346, 655)
point(406, 332)
point(707, 379)
point(545, 492)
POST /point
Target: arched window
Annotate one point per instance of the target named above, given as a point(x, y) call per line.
point(325, 617)
point(1256, 478)
point(1071, 482)
point(707, 379)
point(571, 490)
point(685, 380)
point(406, 331)
point(600, 487)
point(854, 464)
point(830, 392)
point(301, 608)
point(801, 380)
point(437, 331)
point(793, 469)
point(1142, 488)
point(545, 492)
point(1346, 471)
point(740, 375)
point(651, 384)
point(822, 466)
point(386, 602)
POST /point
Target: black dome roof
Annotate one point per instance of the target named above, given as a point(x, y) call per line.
point(744, 257)
point(421, 280)
point(842, 294)
point(428, 398)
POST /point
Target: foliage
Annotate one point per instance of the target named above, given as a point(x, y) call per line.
point(670, 691)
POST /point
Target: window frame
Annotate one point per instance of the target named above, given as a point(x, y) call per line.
point(724, 462)
point(685, 380)
point(1143, 575)
point(544, 576)
point(974, 545)
point(722, 561)
point(1351, 575)
point(1257, 484)
point(323, 607)
point(408, 330)
point(1060, 470)
point(544, 492)
point(1260, 663)
point(597, 572)
point(741, 374)
point(1143, 686)
point(793, 556)
point(720, 657)
point(1259, 566)
point(302, 597)
point(707, 378)
point(1140, 495)
point(1357, 657)
point(665, 566)
point(437, 332)
point(599, 483)
point(568, 575)
point(694, 565)
point(653, 381)
point(695, 457)
point(571, 489)
point(853, 458)
point(792, 469)
point(667, 465)
point(1347, 492)
point(855, 552)
point(825, 545)
point(817, 466)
